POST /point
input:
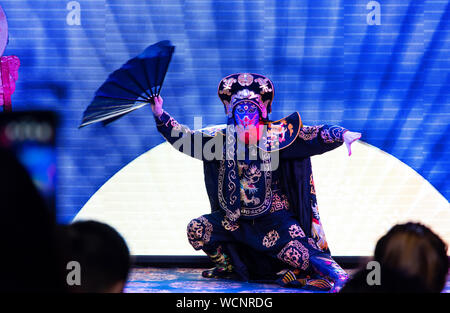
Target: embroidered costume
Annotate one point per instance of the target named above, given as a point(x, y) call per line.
point(264, 223)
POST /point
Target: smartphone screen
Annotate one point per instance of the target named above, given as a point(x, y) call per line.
point(31, 136)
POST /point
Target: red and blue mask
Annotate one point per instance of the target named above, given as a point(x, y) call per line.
point(246, 114)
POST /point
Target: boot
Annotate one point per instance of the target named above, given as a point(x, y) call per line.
point(287, 278)
point(292, 278)
point(327, 267)
point(223, 267)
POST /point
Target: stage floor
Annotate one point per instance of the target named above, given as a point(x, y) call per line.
point(185, 280)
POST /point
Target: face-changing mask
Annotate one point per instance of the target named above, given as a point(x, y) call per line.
point(247, 120)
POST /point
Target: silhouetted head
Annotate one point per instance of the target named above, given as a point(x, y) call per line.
point(102, 254)
point(416, 251)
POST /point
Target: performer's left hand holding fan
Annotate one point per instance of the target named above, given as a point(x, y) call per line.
point(132, 86)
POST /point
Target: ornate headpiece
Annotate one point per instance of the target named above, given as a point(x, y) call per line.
point(240, 87)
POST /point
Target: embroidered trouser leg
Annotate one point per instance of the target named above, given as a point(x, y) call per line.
point(207, 233)
point(303, 253)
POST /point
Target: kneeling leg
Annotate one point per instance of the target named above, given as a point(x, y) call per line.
point(301, 256)
point(204, 235)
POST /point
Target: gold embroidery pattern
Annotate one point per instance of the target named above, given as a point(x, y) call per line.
point(245, 211)
point(227, 84)
point(311, 182)
point(337, 133)
point(270, 239)
point(279, 203)
point(277, 134)
point(319, 283)
point(222, 201)
point(317, 230)
point(199, 232)
point(231, 185)
point(296, 231)
point(295, 254)
point(291, 129)
point(229, 225)
point(332, 134)
point(231, 142)
point(325, 134)
point(263, 85)
point(233, 216)
point(309, 132)
point(265, 205)
point(246, 94)
point(231, 165)
point(249, 177)
point(245, 79)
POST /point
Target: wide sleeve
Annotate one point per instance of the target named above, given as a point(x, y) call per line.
point(314, 140)
point(197, 144)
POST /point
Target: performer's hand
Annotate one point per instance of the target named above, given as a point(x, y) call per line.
point(157, 106)
point(349, 138)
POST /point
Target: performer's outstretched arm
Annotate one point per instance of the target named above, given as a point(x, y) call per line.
point(314, 140)
point(182, 138)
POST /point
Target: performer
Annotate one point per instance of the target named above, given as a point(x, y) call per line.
point(265, 223)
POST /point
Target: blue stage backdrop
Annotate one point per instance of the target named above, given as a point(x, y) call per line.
point(377, 67)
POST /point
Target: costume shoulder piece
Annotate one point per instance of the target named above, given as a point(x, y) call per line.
point(282, 133)
point(214, 130)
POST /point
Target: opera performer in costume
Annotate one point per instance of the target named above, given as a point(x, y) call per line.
point(264, 223)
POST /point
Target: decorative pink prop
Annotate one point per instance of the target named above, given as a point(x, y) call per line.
point(9, 67)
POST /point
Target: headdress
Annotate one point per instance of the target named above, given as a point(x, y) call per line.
point(249, 87)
